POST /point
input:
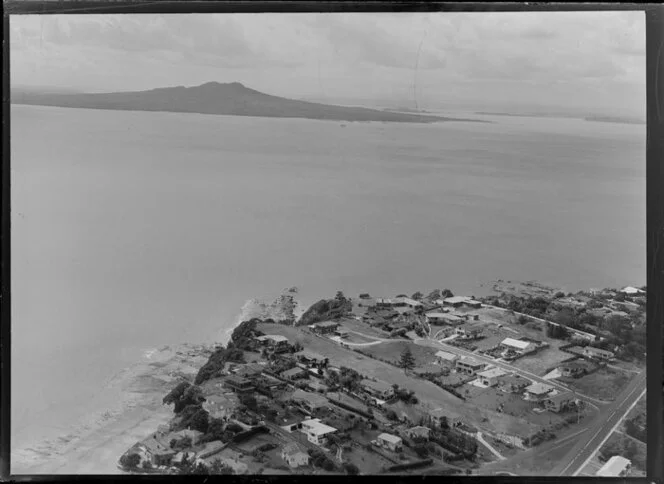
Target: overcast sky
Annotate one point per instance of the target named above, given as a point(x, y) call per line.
point(592, 61)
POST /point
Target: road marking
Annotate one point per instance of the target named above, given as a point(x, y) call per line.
point(612, 430)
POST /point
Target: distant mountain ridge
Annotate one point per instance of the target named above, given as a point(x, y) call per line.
point(232, 99)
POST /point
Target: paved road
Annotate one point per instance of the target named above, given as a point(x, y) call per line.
point(603, 426)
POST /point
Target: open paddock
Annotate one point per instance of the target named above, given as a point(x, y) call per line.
point(392, 352)
point(605, 383)
point(539, 361)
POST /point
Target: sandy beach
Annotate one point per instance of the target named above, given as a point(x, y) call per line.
point(129, 409)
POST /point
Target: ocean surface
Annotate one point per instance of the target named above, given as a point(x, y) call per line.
point(133, 230)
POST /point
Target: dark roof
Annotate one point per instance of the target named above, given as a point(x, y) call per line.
point(236, 380)
point(377, 385)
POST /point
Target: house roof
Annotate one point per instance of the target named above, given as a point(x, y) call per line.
point(408, 300)
point(156, 446)
point(539, 388)
point(469, 360)
point(376, 385)
point(436, 315)
point(446, 355)
point(326, 324)
point(277, 338)
point(598, 351)
point(236, 380)
point(317, 427)
point(390, 438)
point(292, 449)
point(515, 343)
point(419, 429)
point(614, 466)
point(456, 299)
point(493, 372)
point(474, 327)
point(310, 355)
point(631, 290)
point(192, 434)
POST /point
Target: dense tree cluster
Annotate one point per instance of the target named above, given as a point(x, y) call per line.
point(326, 309)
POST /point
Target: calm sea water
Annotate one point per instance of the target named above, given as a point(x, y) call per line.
point(132, 230)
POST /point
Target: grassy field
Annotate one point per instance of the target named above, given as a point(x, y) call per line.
point(538, 363)
point(605, 383)
point(392, 352)
point(360, 327)
point(626, 446)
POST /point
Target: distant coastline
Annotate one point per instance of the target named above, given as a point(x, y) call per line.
point(231, 99)
point(601, 119)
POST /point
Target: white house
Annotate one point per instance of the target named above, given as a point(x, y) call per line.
point(316, 431)
point(389, 441)
point(616, 466)
point(631, 290)
point(490, 377)
point(521, 347)
point(294, 456)
point(537, 392)
point(446, 357)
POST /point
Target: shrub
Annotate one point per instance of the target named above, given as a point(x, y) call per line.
point(351, 469)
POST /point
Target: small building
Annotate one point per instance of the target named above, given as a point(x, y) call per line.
point(156, 451)
point(513, 383)
point(446, 357)
point(537, 392)
point(407, 302)
point(239, 384)
point(293, 374)
point(377, 389)
point(436, 317)
point(390, 442)
point(250, 371)
point(317, 386)
point(310, 402)
point(383, 302)
point(490, 377)
point(220, 406)
point(291, 424)
point(560, 402)
point(453, 319)
point(341, 332)
point(598, 354)
point(517, 345)
point(616, 466)
point(572, 369)
point(469, 331)
point(294, 456)
point(310, 357)
point(472, 303)
point(272, 339)
point(326, 327)
point(316, 431)
point(469, 365)
point(194, 435)
point(455, 301)
point(631, 290)
point(418, 432)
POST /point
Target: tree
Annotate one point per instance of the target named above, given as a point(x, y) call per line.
point(219, 468)
point(446, 293)
point(407, 360)
point(340, 296)
point(351, 469)
point(417, 296)
point(130, 461)
point(176, 393)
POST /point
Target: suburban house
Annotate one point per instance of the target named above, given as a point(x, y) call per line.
point(435, 317)
point(490, 377)
point(453, 320)
point(382, 302)
point(455, 301)
point(419, 432)
point(631, 290)
point(443, 357)
point(406, 302)
point(293, 374)
point(291, 423)
point(513, 383)
point(470, 331)
point(390, 442)
point(560, 402)
point(572, 369)
point(616, 466)
point(294, 456)
point(310, 357)
point(537, 392)
point(341, 332)
point(272, 339)
point(438, 415)
point(156, 451)
point(598, 354)
point(249, 371)
point(517, 345)
point(377, 389)
point(325, 327)
point(239, 384)
point(220, 406)
point(308, 401)
point(316, 431)
point(317, 386)
point(468, 365)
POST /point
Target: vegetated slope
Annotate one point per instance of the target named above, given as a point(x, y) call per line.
point(232, 99)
